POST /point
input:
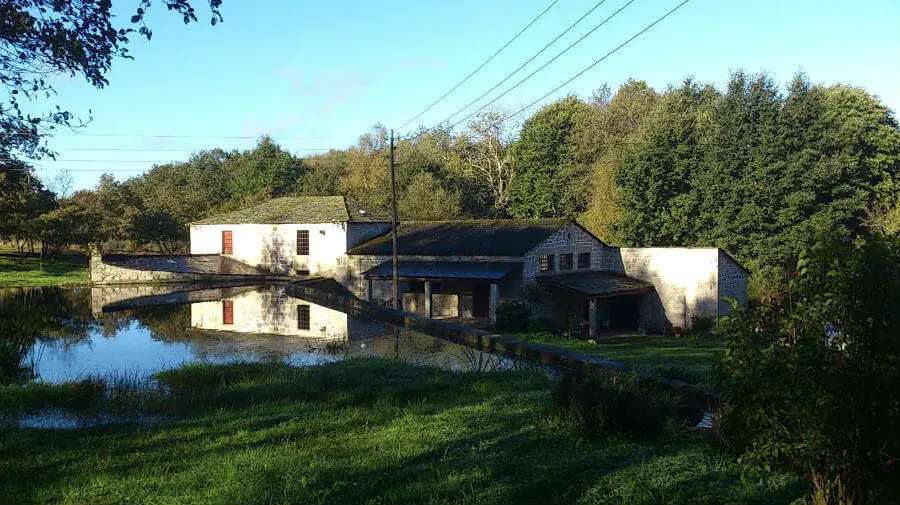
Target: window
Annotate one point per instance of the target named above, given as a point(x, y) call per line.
point(546, 263)
point(227, 312)
point(303, 317)
point(227, 242)
point(302, 242)
point(584, 260)
point(565, 261)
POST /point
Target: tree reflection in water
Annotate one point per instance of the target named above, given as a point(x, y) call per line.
point(50, 334)
point(33, 317)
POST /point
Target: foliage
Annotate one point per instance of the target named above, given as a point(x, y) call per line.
point(512, 316)
point(810, 381)
point(756, 171)
point(600, 404)
point(550, 180)
point(42, 39)
point(703, 326)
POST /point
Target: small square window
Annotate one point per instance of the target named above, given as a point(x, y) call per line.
point(303, 317)
point(565, 261)
point(584, 260)
point(546, 263)
point(302, 242)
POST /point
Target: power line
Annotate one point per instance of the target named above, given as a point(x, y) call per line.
point(142, 149)
point(159, 136)
point(514, 72)
point(597, 62)
point(551, 60)
point(576, 76)
point(466, 78)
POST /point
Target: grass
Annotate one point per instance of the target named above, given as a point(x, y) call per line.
point(28, 271)
point(360, 431)
point(687, 359)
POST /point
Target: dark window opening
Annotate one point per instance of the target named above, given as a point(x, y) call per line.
point(227, 242)
point(546, 263)
point(584, 260)
point(565, 261)
point(302, 242)
point(227, 312)
point(303, 317)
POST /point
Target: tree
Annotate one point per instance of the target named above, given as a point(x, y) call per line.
point(602, 142)
point(268, 171)
point(426, 199)
point(550, 180)
point(812, 383)
point(489, 164)
point(655, 174)
point(44, 38)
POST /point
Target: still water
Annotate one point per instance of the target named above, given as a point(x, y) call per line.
point(59, 334)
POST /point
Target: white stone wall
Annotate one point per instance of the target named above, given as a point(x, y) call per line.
point(274, 246)
point(572, 239)
point(270, 311)
point(685, 280)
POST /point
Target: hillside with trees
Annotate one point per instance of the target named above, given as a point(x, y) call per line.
point(757, 169)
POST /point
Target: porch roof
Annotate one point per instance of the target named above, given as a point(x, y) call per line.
point(597, 284)
point(483, 270)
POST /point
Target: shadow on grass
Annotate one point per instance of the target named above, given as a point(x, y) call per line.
point(361, 431)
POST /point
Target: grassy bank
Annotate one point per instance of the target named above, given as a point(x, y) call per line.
point(688, 359)
point(361, 431)
point(28, 271)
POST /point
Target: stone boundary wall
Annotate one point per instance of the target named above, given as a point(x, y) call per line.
point(105, 274)
point(489, 342)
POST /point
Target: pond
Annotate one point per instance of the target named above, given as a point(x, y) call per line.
point(57, 335)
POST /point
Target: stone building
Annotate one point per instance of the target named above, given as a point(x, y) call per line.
point(468, 268)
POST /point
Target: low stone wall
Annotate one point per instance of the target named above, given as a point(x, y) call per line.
point(103, 273)
point(487, 341)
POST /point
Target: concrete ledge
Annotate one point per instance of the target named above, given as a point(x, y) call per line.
point(490, 342)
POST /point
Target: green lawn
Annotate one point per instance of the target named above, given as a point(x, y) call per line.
point(688, 359)
point(24, 271)
point(361, 431)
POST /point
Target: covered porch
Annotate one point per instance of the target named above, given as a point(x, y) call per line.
point(607, 302)
point(446, 289)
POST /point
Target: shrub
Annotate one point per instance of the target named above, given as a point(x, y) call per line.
point(512, 316)
point(615, 403)
point(703, 326)
point(811, 382)
point(543, 324)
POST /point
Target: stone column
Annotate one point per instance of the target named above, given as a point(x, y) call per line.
point(494, 301)
point(428, 311)
point(592, 317)
point(369, 290)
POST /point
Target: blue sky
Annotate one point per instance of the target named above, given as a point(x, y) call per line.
point(318, 74)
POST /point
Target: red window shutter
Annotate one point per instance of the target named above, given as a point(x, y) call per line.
point(227, 312)
point(227, 244)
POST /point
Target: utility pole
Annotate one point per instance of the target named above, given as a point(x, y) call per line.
point(394, 275)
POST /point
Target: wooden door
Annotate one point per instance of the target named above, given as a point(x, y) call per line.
point(227, 243)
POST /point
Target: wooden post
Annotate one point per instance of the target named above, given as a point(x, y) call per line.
point(592, 318)
point(428, 312)
point(394, 276)
point(494, 302)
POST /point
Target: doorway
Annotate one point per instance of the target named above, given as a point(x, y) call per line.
point(481, 300)
point(624, 312)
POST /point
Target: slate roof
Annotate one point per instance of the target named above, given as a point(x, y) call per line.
point(287, 210)
point(498, 237)
point(488, 270)
point(185, 264)
point(597, 284)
